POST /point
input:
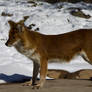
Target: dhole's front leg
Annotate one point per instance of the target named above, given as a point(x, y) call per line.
point(35, 72)
point(36, 67)
point(43, 73)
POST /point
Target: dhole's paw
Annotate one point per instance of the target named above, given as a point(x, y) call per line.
point(29, 83)
point(37, 86)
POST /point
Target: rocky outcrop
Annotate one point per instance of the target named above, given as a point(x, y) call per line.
point(79, 13)
point(6, 14)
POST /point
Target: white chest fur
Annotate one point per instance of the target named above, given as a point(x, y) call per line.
point(30, 53)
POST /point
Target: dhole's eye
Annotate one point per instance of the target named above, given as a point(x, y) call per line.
point(13, 37)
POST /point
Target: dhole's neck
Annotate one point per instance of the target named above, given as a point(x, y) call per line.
point(28, 38)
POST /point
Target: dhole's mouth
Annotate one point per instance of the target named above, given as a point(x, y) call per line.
point(11, 44)
point(8, 45)
point(15, 43)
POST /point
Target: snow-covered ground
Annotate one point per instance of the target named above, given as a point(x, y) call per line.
point(51, 19)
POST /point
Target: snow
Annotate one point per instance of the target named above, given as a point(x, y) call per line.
point(51, 19)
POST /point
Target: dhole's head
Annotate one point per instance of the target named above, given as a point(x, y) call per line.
point(14, 33)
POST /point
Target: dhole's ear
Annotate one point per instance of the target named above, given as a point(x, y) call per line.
point(11, 23)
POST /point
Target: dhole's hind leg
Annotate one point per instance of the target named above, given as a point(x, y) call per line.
point(87, 55)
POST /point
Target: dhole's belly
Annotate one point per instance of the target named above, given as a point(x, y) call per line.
point(56, 60)
point(68, 58)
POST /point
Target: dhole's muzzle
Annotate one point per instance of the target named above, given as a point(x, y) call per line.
point(8, 44)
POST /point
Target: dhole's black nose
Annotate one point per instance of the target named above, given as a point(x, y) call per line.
point(6, 44)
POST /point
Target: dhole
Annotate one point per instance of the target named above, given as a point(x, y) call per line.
point(48, 48)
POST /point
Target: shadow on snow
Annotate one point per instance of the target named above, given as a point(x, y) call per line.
point(15, 78)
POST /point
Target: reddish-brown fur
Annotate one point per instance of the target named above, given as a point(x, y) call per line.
point(43, 48)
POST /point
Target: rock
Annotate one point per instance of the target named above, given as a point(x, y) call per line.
point(79, 13)
point(33, 2)
point(88, 1)
point(31, 26)
point(6, 14)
